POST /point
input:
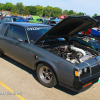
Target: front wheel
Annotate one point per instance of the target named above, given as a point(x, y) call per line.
point(1, 54)
point(45, 75)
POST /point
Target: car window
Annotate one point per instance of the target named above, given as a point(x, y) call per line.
point(7, 20)
point(18, 20)
point(16, 32)
point(35, 33)
point(52, 22)
point(38, 19)
point(46, 21)
point(3, 28)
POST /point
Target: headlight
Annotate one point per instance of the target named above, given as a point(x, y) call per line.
point(85, 70)
point(82, 72)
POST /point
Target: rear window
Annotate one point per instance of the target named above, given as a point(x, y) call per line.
point(18, 20)
point(52, 22)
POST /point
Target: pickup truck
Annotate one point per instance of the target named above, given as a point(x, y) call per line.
point(49, 51)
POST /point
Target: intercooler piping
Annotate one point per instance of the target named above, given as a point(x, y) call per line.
point(78, 49)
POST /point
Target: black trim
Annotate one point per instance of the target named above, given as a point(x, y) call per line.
point(73, 89)
point(78, 84)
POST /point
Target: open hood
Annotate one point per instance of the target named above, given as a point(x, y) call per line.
point(68, 27)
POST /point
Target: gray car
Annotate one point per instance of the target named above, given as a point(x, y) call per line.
point(48, 51)
point(11, 19)
point(50, 22)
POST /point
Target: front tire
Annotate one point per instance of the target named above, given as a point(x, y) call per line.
point(1, 54)
point(45, 75)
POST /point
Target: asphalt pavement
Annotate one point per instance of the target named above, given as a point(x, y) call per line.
point(17, 82)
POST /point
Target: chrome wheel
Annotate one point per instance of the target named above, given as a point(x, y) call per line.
point(45, 74)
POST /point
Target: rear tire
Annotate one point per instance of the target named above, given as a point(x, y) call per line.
point(45, 75)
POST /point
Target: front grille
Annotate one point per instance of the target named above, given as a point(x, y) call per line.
point(95, 69)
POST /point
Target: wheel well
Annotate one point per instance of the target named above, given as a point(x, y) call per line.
point(2, 51)
point(42, 62)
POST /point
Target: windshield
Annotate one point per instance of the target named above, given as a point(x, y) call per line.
point(35, 33)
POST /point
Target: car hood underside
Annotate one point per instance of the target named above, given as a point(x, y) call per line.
point(70, 26)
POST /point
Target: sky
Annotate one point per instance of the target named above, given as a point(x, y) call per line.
point(90, 7)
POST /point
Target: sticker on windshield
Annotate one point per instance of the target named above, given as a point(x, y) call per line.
point(36, 28)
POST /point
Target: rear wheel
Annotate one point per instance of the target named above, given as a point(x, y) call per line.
point(45, 75)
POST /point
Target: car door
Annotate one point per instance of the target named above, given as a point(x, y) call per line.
point(16, 49)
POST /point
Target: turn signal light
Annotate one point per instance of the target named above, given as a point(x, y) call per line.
point(87, 85)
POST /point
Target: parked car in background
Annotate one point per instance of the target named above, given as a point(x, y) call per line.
point(50, 22)
point(27, 19)
point(95, 32)
point(36, 19)
point(11, 19)
point(49, 51)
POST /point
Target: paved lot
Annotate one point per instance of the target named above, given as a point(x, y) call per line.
point(20, 79)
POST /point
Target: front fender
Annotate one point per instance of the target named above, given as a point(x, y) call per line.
point(40, 60)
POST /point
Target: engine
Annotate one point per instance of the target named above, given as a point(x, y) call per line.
point(71, 53)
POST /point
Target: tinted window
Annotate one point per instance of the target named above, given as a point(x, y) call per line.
point(18, 20)
point(52, 22)
point(3, 29)
point(35, 33)
point(46, 21)
point(17, 32)
point(7, 20)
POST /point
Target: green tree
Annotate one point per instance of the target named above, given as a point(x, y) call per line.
point(8, 6)
point(94, 15)
point(20, 7)
point(32, 10)
point(39, 10)
point(65, 12)
point(57, 12)
point(14, 9)
point(74, 14)
point(80, 13)
point(26, 11)
point(71, 12)
point(48, 11)
point(1, 6)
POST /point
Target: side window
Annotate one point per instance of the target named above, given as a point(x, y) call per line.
point(16, 32)
point(46, 21)
point(3, 29)
point(6, 20)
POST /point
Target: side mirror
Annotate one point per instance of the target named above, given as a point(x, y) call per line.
point(20, 40)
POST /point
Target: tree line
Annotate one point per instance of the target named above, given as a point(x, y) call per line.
point(48, 11)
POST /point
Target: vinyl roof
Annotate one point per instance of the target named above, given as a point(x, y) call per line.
point(25, 24)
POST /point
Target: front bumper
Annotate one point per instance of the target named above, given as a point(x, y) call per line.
point(82, 85)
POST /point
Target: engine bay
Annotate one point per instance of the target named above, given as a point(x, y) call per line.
point(71, 53)
point(74, 53)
